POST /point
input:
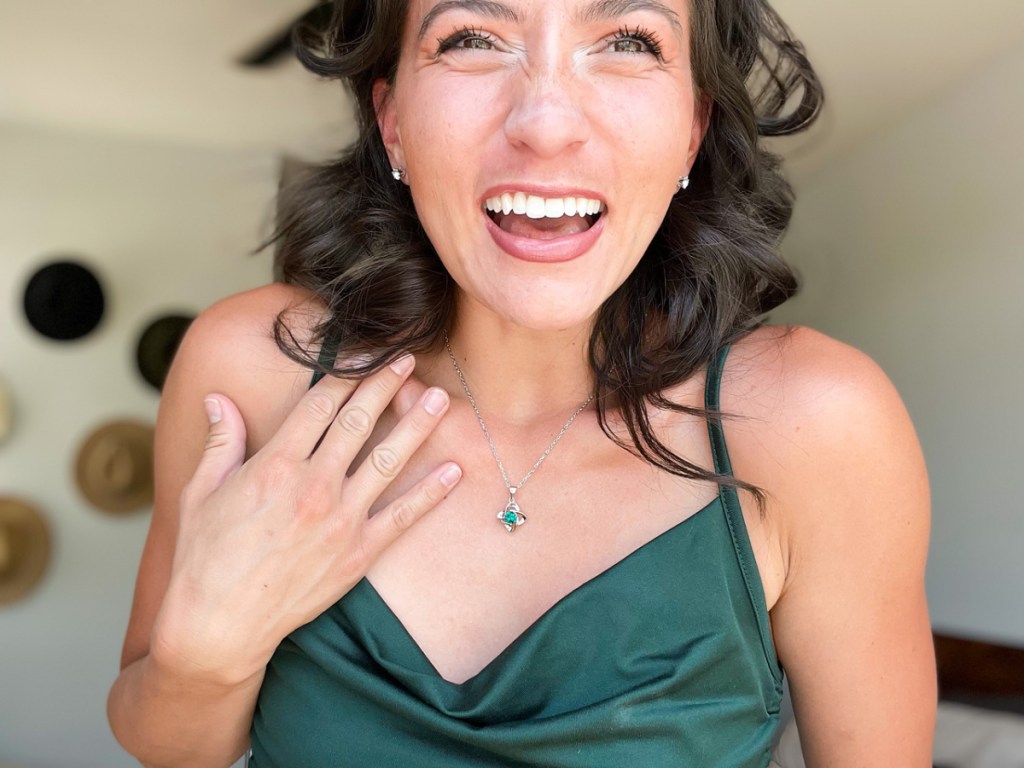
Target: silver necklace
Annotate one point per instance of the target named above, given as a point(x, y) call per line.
point(512, 515)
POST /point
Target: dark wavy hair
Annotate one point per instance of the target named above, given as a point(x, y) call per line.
point(349, 233)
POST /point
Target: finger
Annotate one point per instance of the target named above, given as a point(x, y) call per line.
point(390, 456)
point(303, 428)
point(224, 450)
point(356, 419)
point(386, 526)
point(409, 395)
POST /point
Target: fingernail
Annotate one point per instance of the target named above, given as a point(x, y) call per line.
point(403, 365)
point(212, 410)
point(436, 401)
point(451, 475)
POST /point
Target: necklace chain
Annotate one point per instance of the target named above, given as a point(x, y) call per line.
point(490, 441)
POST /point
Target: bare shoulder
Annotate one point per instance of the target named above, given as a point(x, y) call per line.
point(819, 426)
point(241, 327)
point(809, 411)
point(797, 377)
point(231, 349)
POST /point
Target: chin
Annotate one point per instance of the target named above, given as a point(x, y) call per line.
point(540, 310)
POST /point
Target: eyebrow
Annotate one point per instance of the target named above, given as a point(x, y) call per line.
point(601, 10)
point(490, 8)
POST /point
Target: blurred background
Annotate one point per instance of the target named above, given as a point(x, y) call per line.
point(133, 141)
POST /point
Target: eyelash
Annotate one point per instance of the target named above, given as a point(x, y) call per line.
point(445, 44)
point(640, 35)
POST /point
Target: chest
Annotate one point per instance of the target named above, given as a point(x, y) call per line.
point(465, 589)
point(634, 667)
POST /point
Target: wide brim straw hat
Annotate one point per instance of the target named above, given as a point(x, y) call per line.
point(64, 300)
point(114, 469)
point(24, 548)
point(6, 411)
point(157, 346)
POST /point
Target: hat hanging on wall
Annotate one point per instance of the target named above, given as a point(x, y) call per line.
point(24, 548)
point(64, 300)
point(114, 469)
point(6, 411)
point(157, 345)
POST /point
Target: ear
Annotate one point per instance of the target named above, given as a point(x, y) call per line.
point(701, 120)
point(387, 122)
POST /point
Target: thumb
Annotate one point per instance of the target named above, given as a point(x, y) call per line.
point(224, 450)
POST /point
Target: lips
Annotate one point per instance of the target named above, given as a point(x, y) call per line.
point(544, 225)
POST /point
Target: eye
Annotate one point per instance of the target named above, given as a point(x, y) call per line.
point(636, 40)
point(466, 39)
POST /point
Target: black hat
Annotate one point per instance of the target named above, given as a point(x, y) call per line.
point(157, 345)
point(64, 301)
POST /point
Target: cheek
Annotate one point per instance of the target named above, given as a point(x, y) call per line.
point(444, 122)
point(650, 124)
point(448, 125)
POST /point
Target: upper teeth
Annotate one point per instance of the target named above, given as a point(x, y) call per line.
point(543, 207)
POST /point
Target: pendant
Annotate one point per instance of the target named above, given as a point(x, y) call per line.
point(511, 516)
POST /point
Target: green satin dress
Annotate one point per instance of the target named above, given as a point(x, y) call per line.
point(665, 659)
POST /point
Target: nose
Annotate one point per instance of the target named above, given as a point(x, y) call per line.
point(547, 114)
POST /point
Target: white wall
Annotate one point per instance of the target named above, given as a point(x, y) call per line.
point(166, 230)
point(911, 250)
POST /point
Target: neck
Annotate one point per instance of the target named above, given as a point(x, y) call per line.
point(516, 375)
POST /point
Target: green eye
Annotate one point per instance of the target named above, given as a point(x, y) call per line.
point(466, 40)
point(628, 46)
point(636, 40)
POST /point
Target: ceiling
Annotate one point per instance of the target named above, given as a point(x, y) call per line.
point(164, 70)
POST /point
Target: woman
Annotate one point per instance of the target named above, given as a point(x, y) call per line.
point(561, 209)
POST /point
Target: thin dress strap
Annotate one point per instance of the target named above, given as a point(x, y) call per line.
point(328, 354)
point(719, 452)
point(734, 512)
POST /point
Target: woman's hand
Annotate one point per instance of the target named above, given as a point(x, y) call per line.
point(265, 546)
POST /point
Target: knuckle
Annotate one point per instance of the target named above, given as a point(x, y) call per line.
point(269, 476)
point(319, 406)
point(355, 421)
point(385, 460)
point(310, 502)
point(273, 471)
point(383, 385)
point(216, 440)
point(402, 514)
point(422, 423)
point(433, 492)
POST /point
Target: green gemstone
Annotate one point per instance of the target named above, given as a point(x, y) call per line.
point(510, 517)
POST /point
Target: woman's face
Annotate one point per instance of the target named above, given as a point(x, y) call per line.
point(543, 141)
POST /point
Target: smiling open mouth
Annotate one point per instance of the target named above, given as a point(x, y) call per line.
point(543, 218)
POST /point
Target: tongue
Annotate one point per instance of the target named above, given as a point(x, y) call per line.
point(542, 229)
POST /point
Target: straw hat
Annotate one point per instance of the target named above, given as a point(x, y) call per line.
point(157, 346)
point(24, 548)
point(114, 470)
point(64, 300)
